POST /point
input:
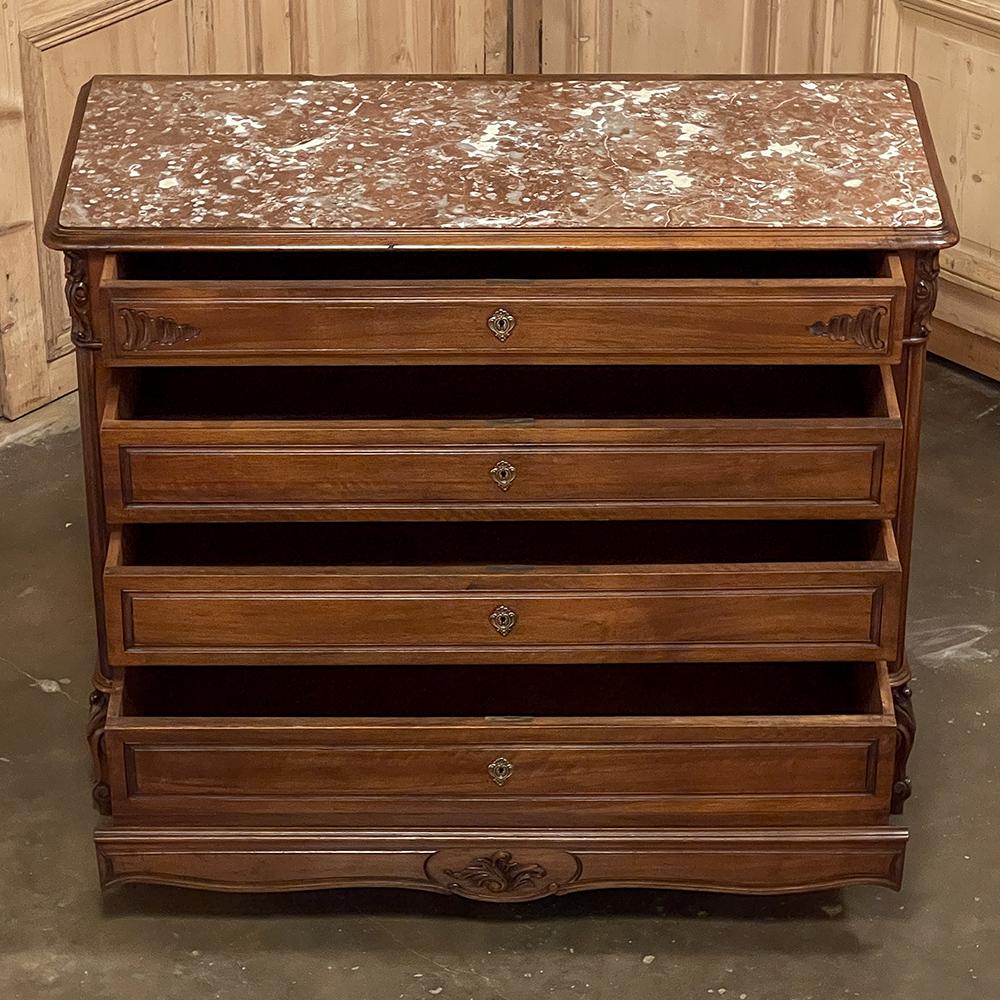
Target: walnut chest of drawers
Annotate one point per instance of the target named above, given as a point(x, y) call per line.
point(500, 487)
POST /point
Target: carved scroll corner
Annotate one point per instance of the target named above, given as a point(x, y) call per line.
point(925, 291)
point(101, 790)
point(78, 300)
point(863, 328)
point(143, 331)
point(906, 729)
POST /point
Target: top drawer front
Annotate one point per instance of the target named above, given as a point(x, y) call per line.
point(639, 321)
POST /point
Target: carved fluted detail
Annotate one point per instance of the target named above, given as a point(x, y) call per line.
point(863, 328)
point(144, 331)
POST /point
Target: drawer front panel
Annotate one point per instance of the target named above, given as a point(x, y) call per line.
point(289, 771)
point(645, 321)
point(311, 620)
point(828, 760)
point(164, 620)
point(168, 481)
point(781, 769)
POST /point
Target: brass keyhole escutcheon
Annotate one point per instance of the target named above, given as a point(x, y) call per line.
point(501, 324)
point(503, 619)
point(500, 770)
point(503, 474)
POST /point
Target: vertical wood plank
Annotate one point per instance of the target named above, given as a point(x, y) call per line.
point(24, 380)
point(326, 36)
point(559, 36)
point(796, 36)
point(853, 36)
point(457, 36)
point(398, 36)
point(269, 39)
point(526, 36)
point(469, 36)
point(635, 36)
point(217, 36)
point(498, 50)
point(41, 136)
point(889, 27)
point(755, 47)
point(824, 36)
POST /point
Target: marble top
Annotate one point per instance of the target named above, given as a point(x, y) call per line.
point(279, 154)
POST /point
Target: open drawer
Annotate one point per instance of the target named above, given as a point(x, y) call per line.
point(505, 592)
point(485, 442)
point(502, 307)
point(710, 744)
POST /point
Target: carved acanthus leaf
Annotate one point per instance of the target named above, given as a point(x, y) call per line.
point(497, 874)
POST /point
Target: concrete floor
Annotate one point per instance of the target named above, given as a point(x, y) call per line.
point(937, 940)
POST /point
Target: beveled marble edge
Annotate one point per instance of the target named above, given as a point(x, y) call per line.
point(59, 237)
point(815, 238)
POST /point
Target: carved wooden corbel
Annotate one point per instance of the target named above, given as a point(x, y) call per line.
point(78, 299)
point(98, 751)
point(906, 729)
point(925, 292)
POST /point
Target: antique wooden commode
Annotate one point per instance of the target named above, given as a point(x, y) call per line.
point(501, 486)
